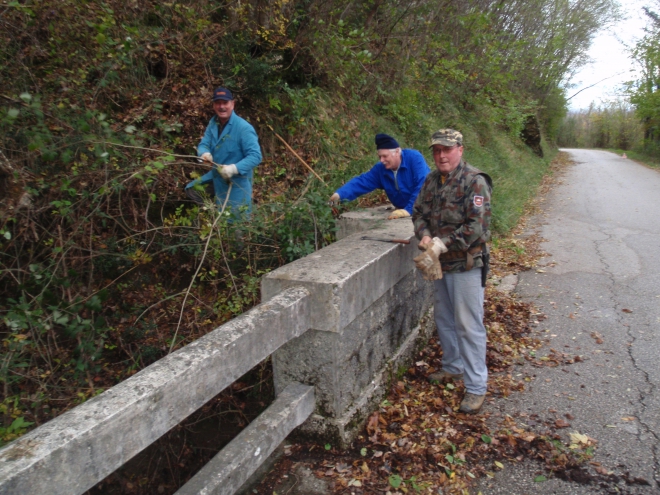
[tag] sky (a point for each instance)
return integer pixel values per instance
(610, 58)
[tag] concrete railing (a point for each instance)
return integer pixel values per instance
(336, 324)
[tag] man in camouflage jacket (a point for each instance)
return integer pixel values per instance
(452, 220)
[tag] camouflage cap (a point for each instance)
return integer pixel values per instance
(447, 137)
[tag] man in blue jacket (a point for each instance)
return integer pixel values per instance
(400, 173)
(231, 145)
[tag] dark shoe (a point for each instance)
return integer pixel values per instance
(471, 403)
(443, 376)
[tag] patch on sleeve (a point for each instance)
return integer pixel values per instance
(478, 201)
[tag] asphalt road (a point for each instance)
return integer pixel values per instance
(601, 225)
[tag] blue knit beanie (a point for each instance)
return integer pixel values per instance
(385, 142)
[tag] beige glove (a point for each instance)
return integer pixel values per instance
(227, 171)
(334, 199)
(207, 157)
(398, 214)
(429, 261)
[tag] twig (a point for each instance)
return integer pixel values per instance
(296, 154)
(148, 149)
(155, 304)
(206, 248)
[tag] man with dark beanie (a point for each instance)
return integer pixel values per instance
(400, 173)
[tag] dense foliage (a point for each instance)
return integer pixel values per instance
(644, 93)
(106, 267)
(612, 125)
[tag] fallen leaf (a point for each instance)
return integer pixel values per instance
(626, 310)
(578, 438)
(540, 479)
(499, 464)
(560, 423)
(628, 418)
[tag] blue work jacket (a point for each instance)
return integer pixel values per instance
(238, 144)
(401, 191)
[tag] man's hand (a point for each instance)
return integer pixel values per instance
(227, 171)
(207, 157)
(429, 261)
(398, 214)
(334, 199)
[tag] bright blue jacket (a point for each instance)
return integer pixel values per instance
(239, 145)
(401, 192)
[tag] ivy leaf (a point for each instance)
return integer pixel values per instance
(486, 438)
(395, 480)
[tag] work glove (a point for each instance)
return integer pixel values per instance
(207, 157)
(398, 214)
(429, 261)
(227, 171)
(334, 199)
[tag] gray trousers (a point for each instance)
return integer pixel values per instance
(459, 313)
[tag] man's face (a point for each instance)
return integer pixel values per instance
(391, 159)
(447, 158)
(223, 109)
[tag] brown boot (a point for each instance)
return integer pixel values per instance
(471, 403)
(443, 376)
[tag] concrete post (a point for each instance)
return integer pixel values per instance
(367, 317)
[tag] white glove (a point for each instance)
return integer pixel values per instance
(429, 261)
(207, 157)
(438, 247)
(398, 214)
(227, 171)
(334, 199)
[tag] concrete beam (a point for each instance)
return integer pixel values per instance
(74, 451)
(234, 464)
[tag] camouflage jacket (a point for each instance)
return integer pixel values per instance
(458, 211)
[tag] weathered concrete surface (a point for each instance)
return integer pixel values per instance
(234, 464)
(348, 276)
(352, 222)
(74, 451)
(368, 307)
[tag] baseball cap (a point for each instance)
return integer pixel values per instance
(447, 137)
(222, 94)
